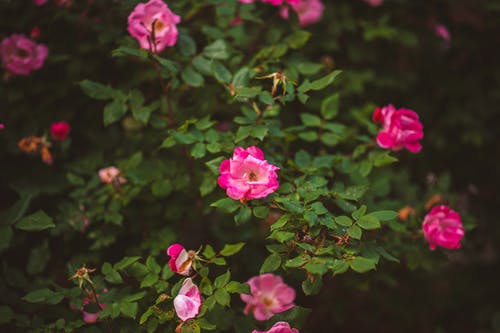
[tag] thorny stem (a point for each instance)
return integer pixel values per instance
(95, 297)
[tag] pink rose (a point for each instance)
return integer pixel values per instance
(279, 327)
(91, 317)
(442, 32)
(180, 260)
(187, 303)
(279, 2)
(374, 3)
(443, 227)
(20, 55)
(401, 129)
(308, 11)
(269, 296)
(247, 175)
(40, 2)
(60, 130)
(111, 175)
(154, 16)
(2, 126)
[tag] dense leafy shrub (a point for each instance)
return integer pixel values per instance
(118, 148)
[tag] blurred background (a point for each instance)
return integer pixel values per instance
(437, 57)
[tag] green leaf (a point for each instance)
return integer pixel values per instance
(114, 111)
(149, 280)
(204, 324)
(208, 252)
(35, 222)
(339, 267)
(129, 309)
(187, 45)
(6, 314)
(355, 232)
(38, 259)
(261, 212)
(314, 287)
(324, 81)
(44, 295)
(330, 107)
(271, 263)
(221, 73)
(298, 261)
(125, 262)
(238, 288)
(343, 221)
(199, 150)
(222, 280)
(110, 274)
(5, 237)
(362, 265)
(231, 249)
(134, 297)
(311, 120)
(216, 50)
(311, 217)
(227, 204)
(222, 297)
(384, 215)
(247, 92)
(280, 222)
(316, 268)
(319, 208)
(219, 261)
(97, 90)
(383, 158)
(244, 214)
(369, 222)
(298, 39)
(192, 77)
(309, 136)
(153, 266)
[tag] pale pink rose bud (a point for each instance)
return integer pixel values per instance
(187, 303)
(308, 11)
(279, 327)
(111, 175)
(180, 260)
(39, 2)
(153, 18)
(280, 2)
(60, 130)
(401, 128)
(374, 3)
(443, 227)
(247, 175)
(20, 55)
(269, 296)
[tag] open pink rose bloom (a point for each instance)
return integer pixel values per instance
(279, 327)
(20, 55)
(153, 18)
(180, 260)
(247, 175)
(111, 175)
(308, 11)
(269, 296)
(401, 128)
(443, 227)
(187, 303)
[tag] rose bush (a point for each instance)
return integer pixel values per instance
(252, 140)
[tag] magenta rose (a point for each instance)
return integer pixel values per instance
(153, 18)
(60, 130)
(279, 327)
(247, 175)
(180, 260)
(280, 2)
(39, 2)
(20, 55)
(308, 11)
(401, 128)
(269, 296)
(187, 303)
(442, 226)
